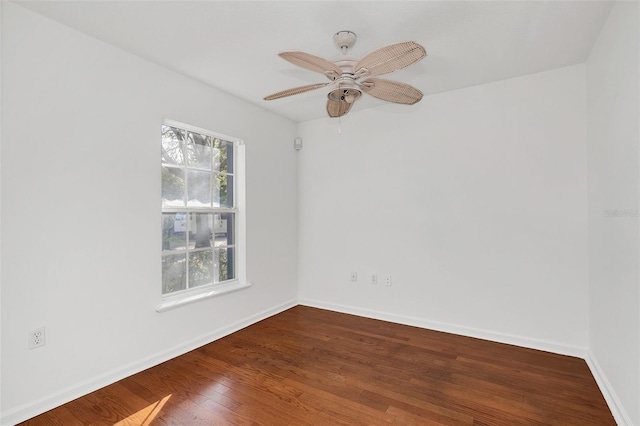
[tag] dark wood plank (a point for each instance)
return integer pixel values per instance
(309, 366)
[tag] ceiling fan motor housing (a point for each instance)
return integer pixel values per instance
(346, 89)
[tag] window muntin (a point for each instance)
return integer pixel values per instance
(199, 215)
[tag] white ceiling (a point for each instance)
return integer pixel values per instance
(233, 45)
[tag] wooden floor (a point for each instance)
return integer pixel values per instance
(308, 366)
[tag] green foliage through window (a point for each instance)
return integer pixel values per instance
(198, 210)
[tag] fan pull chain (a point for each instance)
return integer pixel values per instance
(339, 125)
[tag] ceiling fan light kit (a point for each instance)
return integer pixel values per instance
(350, 77)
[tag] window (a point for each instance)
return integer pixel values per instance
(202, 210)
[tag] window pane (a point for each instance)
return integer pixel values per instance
(223, 191)
(202, 230)
(198, 242)
(223, 229)
(174, 273)
(199, 150)
(225, 264)
(174, 226)
(222, 156)
(172, 186)
(201, 267)
(199, 188)
(172, 145)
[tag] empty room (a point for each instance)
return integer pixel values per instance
(319, 212)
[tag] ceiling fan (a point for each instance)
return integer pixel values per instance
(350, 77)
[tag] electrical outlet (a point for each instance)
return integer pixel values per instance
(387, 280)
(354, 277)
(374, 279)
(36, 338)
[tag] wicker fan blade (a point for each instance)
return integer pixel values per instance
(338, 108)
(313, 63)
(295, 91)
(391, 58)
(391, 91)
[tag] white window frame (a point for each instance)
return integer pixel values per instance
(183, 297)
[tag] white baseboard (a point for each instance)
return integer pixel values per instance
(30, 410)
(617, 410)
(615, 405)
(27, 411)
(452, 328)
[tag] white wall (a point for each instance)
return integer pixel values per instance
(614, 184)
(474, 201)
(80, 212)
(0, 210)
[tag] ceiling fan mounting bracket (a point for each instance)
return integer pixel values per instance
(344, 40)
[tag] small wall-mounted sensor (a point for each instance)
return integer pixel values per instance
(297, 144)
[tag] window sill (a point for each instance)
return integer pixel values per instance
(172, 302)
